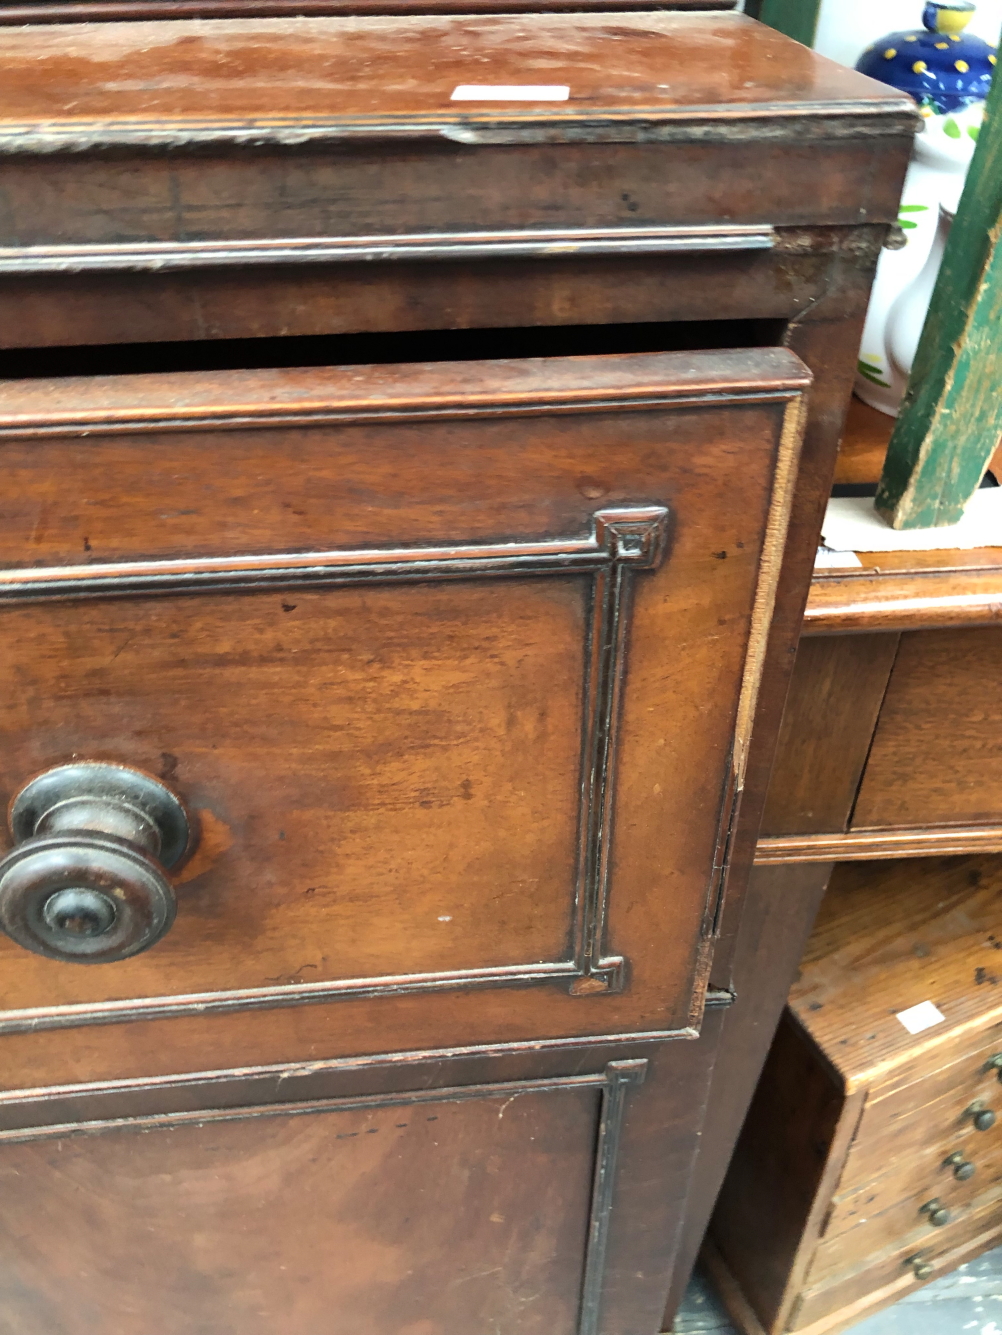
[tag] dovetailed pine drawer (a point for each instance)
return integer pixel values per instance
(452, 674)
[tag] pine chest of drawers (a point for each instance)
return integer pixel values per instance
(871, 1160)
(395, 496)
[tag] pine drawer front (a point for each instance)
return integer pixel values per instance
(909, 1219)
(972, 1233)
(932, 1131)
(429, 657)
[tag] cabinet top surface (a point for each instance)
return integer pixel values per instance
(278, 80)
(890, 936)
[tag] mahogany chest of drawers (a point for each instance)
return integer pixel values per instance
(395, 497)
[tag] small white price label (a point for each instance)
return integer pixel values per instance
(922, 1016)
(511, 92)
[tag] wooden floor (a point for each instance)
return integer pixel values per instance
(969, 1300)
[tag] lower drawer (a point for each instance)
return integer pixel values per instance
(905, 1218)
(918, 1177)
(940, 1127)
(418, 1199)
(983, 1219)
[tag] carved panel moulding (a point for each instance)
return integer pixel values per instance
(621, 543)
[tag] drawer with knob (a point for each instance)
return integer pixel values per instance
(921, 1143)
(872, 1219)
(940, 1174)
(887, 1274)
(374, 686)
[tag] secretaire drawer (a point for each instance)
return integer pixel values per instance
(451, 669)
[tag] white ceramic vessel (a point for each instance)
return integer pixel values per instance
(906, 277)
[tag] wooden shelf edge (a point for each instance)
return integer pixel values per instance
(857, 845)
(889, 600)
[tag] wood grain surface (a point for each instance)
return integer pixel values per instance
(891, 935)
(935, 756)
(835, 698)
(388, 775)
(322, 69)
(296, 1218)
(92, 11)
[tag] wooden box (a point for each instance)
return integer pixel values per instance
(871, 1159)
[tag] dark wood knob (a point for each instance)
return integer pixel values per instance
(982, 1117)
(937, 1212)
(963, 1169)
(86, 879)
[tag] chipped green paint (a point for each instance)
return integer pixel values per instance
(951, 417)
(797, 18)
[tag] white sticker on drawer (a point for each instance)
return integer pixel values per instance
(922, 1016)
(511, 92)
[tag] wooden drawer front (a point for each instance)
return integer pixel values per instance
(937, 1127)
(935, 757)
(473, 1207)
(962, 1066)
(971, 1232)
(451, 678)
(920, 1175)
(904, 1221)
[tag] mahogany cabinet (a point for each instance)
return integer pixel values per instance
(403, 549)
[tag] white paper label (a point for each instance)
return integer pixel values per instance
(511, 92)
(826, 559)
(922, 1016)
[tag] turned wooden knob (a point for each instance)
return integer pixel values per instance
(86, 881)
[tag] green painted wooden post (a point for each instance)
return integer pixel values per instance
(797, 18)
(951, 417)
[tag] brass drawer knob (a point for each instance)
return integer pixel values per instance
(937, 1212)
(921, 1267)
(963, 1169)
(995, 1064)
(86, 879)
(981, 1115)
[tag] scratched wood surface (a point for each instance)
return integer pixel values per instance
(267, 1221)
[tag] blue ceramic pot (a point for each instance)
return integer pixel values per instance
(940, 65)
